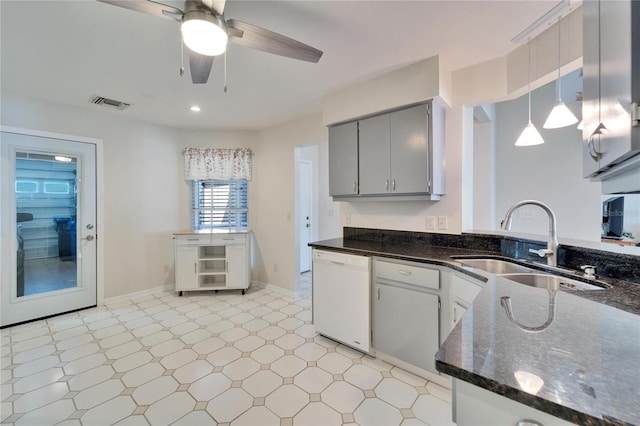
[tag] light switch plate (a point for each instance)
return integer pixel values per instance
(431, 222)
(442, 222)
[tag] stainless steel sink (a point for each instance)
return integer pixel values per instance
(551, 282)
(525, 275)
(494, 266)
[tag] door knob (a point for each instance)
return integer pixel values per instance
(89, 226)
(88, 238)
(307, 226)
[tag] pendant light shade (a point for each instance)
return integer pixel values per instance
(530, 135)
(560, 115)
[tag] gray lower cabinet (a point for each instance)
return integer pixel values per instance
(475, 406)
(406, 313)
(343, 159)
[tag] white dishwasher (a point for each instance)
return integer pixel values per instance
(342, 298)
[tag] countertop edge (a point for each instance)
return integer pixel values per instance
(532, 401)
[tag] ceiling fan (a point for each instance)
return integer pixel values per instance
(206, 32)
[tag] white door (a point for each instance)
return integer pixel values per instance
(306, 191)
(48, 224)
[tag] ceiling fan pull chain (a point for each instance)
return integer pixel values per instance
(225, 71)
(181, 56)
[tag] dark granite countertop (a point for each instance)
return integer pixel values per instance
(588, 357)
(621, 294)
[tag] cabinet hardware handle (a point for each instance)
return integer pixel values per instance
(195, 267)
(354, 187)
(403, 272)
(387, 183)
(378, 293)
(393, 185)
(192, 239)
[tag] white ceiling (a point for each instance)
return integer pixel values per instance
(69, 51)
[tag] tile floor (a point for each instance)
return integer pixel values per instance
(203, 359)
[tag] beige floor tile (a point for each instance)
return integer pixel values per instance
(248, 360)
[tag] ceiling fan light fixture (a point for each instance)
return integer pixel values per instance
(204, 33)
(560, 116)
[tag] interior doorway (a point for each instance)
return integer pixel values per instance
(306, 202)
(48, 198)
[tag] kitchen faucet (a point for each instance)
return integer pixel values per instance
(551, 252)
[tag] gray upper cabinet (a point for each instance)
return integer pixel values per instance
(374, 155)
(611, 84)
(400, 153)
(410, 150)
(343, 159)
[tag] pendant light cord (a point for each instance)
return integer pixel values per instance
(529, 74)
(559, 88)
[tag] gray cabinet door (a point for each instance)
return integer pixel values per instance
(608, 84)
(406, 324)
(343, 159)
(374, 155)
(409, 129)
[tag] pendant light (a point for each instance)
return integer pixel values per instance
(560, 115)
(529, 135)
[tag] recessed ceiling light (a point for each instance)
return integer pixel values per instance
(195, 108)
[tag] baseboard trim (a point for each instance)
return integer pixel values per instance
(128, 296)
(442, 380)
(274, 288)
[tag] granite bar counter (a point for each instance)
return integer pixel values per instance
(587, 355)
(587, 359)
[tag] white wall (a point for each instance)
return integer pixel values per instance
(274, 203)
(551, 172)
(484, 203)
(140, 198)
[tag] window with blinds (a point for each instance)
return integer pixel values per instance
(219, 204)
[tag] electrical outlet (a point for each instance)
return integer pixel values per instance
(431, 222)
(442, 222)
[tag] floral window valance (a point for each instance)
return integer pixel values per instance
(217, 163)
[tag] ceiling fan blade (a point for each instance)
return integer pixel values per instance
(149, 7)
(258, 38)
(200, 66)
(215, 5)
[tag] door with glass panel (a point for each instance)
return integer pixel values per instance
(48, 208)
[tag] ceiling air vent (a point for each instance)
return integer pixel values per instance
(100, 100)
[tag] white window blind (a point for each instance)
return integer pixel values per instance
(219, 204)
